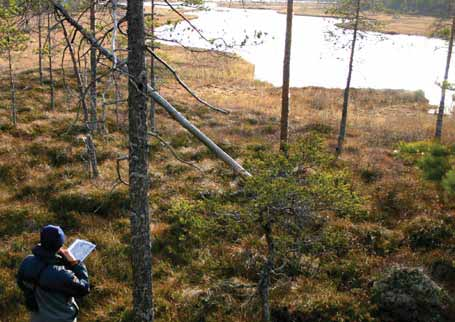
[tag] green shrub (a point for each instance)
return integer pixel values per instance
(337, 239)
(333, 190)
(448, 182)
(420, 147)
(434, 167)
(428, 233)
(370, 174)
(346, 273)
(377, 239)
(186, 233)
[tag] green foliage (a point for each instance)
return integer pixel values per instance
(186, 233)
(333, 191)
(435, 161)
(337, 239)
(194, 2)
(415, 148)
(12, 38)
(448, 182)
(434, 167)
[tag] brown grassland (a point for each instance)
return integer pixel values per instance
(44, 179)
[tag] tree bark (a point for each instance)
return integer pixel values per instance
(285, 94)
(40, 44)
(93, 91)
(51, 76)
(91, 153)
(138, 165)
(12, 90)
(344, 116)
(439, 121)
(152, 68)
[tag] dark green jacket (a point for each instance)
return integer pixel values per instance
(46, 278)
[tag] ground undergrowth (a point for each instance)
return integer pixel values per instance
(345, 222)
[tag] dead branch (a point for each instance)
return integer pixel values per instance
(183, 84)
(172, 111)
(174, 153)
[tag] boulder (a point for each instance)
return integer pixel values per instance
(409, 295)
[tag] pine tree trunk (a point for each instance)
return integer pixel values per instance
(438, 132)
(344, 116)
(91, 153)
(138, 165)
(51, 76)
(12, 90)
(285, 94)
(40, 44)
(93, 71)
(152, 68)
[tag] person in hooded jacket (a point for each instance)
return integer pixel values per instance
(51, 277)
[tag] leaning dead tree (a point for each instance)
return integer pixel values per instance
(153, 93)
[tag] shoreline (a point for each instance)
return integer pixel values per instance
(398, 24)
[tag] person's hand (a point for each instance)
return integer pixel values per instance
(66, 254)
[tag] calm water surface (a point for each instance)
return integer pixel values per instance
(320, 51)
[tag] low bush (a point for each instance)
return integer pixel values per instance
(427, 233)
(106, 204)
(377, 239)
(448, 182)
(55, 156)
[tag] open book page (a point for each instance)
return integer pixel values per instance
(80, 249)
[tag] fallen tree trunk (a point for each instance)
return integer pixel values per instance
(172, 111)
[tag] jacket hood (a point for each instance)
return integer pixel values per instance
(46, 255)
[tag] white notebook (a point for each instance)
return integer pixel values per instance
(80, 249)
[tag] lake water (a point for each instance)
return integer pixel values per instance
(320, 51)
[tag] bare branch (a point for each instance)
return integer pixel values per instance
(184, 85)
(174, 153)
